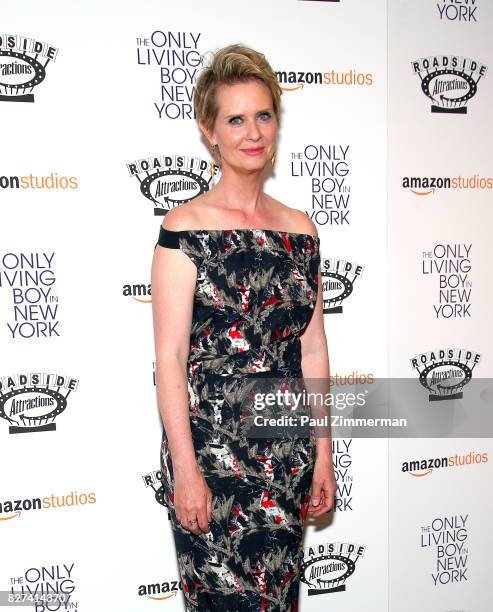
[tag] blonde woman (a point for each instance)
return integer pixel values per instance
(236, 294)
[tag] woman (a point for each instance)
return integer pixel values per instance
(237, 295)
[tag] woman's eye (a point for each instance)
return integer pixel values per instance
(235, 120)
(265, 115)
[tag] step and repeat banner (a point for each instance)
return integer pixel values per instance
(385, 144)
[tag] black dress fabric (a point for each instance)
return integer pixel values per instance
(254, 296)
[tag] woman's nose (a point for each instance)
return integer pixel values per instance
(253, 130)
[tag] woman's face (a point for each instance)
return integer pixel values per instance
(246, 127)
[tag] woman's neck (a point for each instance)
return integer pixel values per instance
(240, 192)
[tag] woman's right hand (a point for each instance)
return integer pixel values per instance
(192, 499)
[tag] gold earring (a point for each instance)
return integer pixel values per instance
(212, 168)
(273, 159)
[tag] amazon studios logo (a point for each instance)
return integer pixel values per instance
(445, 371)
(170, 180)
(326, 170)
(426, 466)
(140, 292)
(338, 278)
(23, 66)
(326, 567)
(31, 402)
(426, 185)
(450, 81)
(177, 60)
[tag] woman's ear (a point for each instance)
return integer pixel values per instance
(206, 133)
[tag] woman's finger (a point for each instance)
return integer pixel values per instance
(315, 494)
(209, 506)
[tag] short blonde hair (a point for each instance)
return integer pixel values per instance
(230, 65)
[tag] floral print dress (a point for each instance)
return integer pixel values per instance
(255, 294)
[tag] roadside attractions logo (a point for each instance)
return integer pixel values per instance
(292, 80)
(426, 466)
(450, 81)
(23, 63)
(154, 480)
(338, 278)
(451, 265)
(326, 567)
(176, 58)
(444, 372)
(30, 402)
(170, 180)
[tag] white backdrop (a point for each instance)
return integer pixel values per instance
(79, 494)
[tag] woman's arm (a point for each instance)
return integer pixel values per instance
(316, 372)
(315, 366)
(173, 278)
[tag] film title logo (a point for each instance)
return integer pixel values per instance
(326, 567)
(170, 180)
(445, 372)
(31, 278)
(177, 57)
(343, 461)
(23, 63)
(451, 264)
(338, 278)
(31, 402)
(450, 81)
(46, 587)
(457, 10)
(326, 168)
(448, 536)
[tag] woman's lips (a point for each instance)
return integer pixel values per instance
(255, 151)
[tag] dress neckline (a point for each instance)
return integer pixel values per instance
(240, 229)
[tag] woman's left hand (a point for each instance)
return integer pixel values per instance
(323, 486)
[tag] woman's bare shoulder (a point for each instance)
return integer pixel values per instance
(183, 217)
(293, 219)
